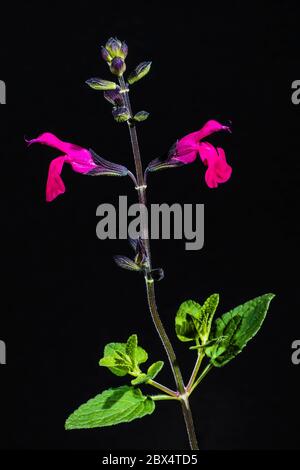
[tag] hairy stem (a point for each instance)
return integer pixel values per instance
(141, 188)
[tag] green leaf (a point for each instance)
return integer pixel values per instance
(238, 326)
(141, 116)
(193, 321)
(101, 85)
(184, 324)
(152, 372)
(113, 406)
(154, 369)
(112, 359)
(207, 313)
(142, 378)
(131, 347)
(117, 359)
(139, 72)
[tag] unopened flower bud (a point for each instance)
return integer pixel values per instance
(139, 72)
(124, 50)
(114, 97)
(117, 66)
(121, 114)
(141, 116)
(105, 55)
(114, 46)
(102, 85)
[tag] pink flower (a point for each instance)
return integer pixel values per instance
(187, 149)
(81, 160)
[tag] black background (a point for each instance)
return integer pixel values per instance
(63, 298)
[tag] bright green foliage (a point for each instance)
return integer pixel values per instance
(140, 379)
(184, 324)
(193, 321)
(152, 372)
(235, 328)
(124, 358)
(113, 406)
(154, 369)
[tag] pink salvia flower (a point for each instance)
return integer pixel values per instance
(82, 161)
(187, 149)
(79, 158)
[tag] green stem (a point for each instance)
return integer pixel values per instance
(195, 371)
(201, 376)
(189, 423)
(163, 335)
(141, 188)
(163, 397)
(161, 387)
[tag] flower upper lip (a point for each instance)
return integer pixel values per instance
(189, 147)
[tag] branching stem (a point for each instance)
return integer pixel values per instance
(201, 376)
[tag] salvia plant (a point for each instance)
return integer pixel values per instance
(215, 342)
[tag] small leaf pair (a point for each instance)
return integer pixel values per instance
(122, 404)
(125, 358)
(152, 372)
(141, 261)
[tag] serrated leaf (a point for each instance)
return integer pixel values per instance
(141, 116)
(193, 321)
(238, 326)
(101, 85)
(184, 324)
(131, 347)
(154, 369)
(142, 378)
(208, 310)
(116, 366)
(117, 353)
(113, 406)
(139, 72)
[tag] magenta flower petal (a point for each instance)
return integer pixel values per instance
(52, 141)
(81, 160)
(55, 185)
(218, 170)
(195, 137)
(187, 147)
(186, 154)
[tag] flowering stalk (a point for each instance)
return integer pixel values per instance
(150, 283)
(218, 340)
